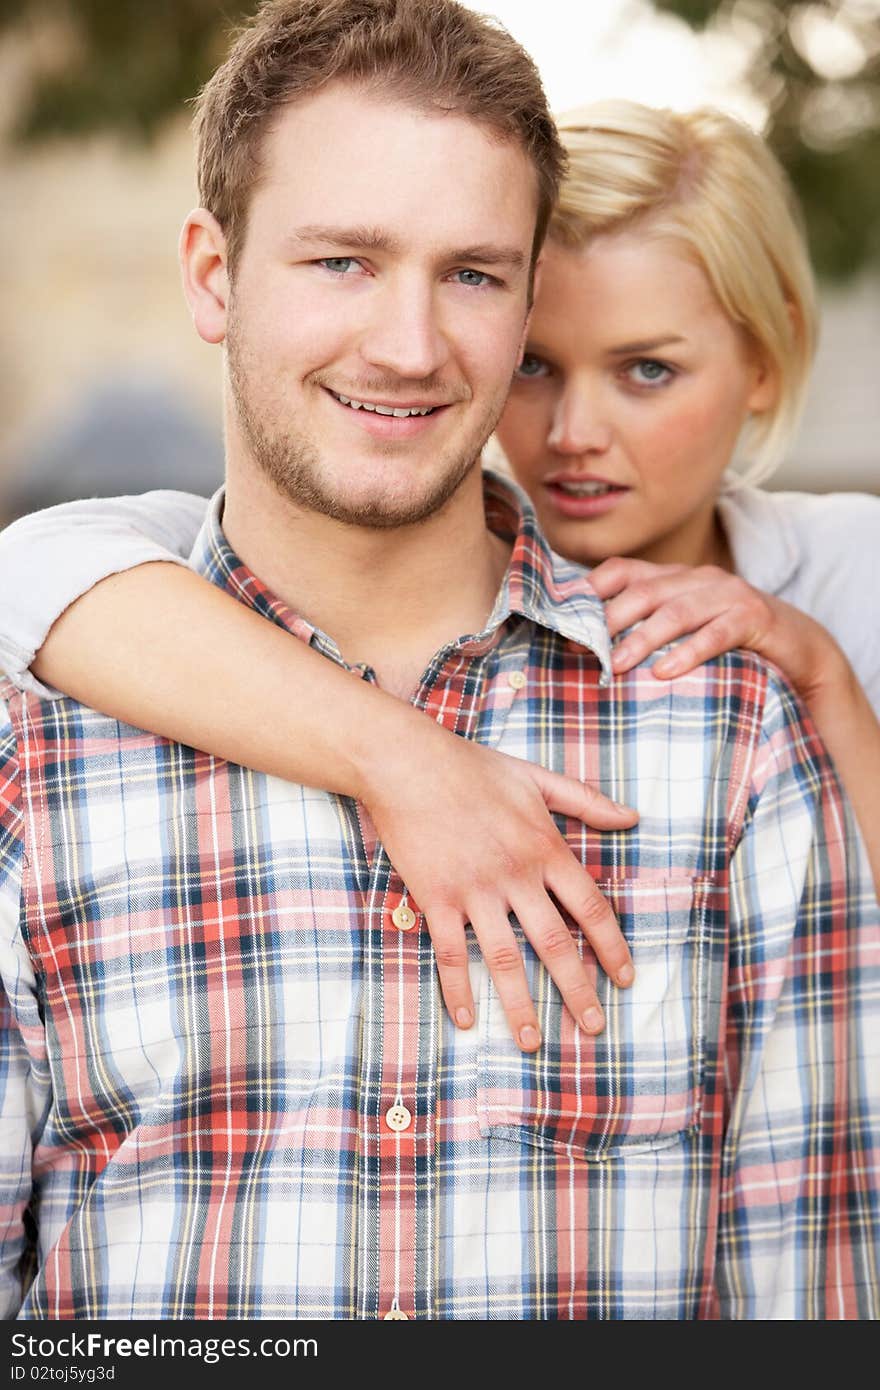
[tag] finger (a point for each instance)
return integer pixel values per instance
(503, 958)
(450, 951)
(576, 892)
(720, 635)
(554, 945)
(686, 614)
(569, 797)
(615, 574)
(643, 597)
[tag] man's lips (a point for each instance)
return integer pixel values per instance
(389, 419)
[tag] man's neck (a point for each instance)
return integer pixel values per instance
(389, 598)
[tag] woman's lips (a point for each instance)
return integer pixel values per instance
(581, 504)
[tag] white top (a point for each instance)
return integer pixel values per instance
(819, 553)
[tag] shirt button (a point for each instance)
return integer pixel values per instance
(403, 917)
(398, 1118)
(516, 679)
(395, 1315)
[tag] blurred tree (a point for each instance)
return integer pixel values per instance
(816, 68)
(815, 64)
(124, 65)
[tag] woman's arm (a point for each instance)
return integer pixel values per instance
(468, 829)
(721, 611)
(50, 558)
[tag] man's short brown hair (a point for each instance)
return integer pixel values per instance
(434, 54)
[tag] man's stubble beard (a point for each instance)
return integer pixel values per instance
(292, 462)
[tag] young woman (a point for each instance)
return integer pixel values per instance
(674, 326)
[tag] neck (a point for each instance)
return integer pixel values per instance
(701, 540)
(388, 598)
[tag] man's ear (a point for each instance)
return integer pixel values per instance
(205, 279)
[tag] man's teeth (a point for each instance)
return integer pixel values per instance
(384, 409)
(587, 489)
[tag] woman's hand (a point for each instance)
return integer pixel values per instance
(720, 611)
(469, 831)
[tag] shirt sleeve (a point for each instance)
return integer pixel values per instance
(799, 1220)
(49, 559)
(24, 1086)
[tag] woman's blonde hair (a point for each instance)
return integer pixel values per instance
(713, 184)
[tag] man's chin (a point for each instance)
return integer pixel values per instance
(377, 511)
(376, 504)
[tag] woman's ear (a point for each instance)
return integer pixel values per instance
(765, 388)
(764, 377)
(202, 251)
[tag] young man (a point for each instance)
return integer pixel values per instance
(229, 1087)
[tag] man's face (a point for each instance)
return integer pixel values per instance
(385, 268)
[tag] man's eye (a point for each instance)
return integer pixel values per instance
(474, 278)
(531, 367)
(649, 372)
(339, 265)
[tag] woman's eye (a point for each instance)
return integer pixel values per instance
(649, 372)
(339, 265)
(531, 367)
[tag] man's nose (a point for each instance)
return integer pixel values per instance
(580, 424)
(404, 335)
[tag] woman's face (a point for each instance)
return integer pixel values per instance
(627, 407)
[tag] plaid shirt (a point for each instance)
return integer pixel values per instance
(229, 1086)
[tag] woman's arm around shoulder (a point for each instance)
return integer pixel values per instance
(50, 558)
(468, 829)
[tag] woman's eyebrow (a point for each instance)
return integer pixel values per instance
(648, 344)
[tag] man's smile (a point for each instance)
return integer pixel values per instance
(399, 412)
(387, 419)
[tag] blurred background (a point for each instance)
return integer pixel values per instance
(104, 386)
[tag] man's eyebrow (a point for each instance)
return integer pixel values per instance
(489, 254)
(374, 239)
(647, 344)
(358, 238)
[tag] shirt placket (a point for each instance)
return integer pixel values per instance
(397, 1104)
(404, 1022)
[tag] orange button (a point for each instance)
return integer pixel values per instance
(403, 917)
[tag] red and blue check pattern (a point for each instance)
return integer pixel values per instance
(209, 1016)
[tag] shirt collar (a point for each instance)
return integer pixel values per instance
(538, 585)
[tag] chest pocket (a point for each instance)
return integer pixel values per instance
(640, 1082)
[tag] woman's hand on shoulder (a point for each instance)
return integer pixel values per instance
(714, 611)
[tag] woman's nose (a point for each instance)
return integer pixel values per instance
(579, 425)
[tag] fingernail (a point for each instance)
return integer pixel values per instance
(619, 656)
(625, 975)
(464, 1018)
(666, 666)
(529, 1038)
(593, 1020)
(622, 806)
